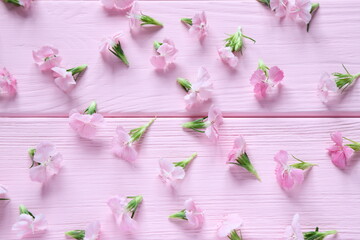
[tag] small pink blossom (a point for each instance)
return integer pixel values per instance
(85, 125)
(239, 148)
(92, 231)
(194, 214)
(64, 79)
(287, 176)
(294, 232)
(27, 225)
(340, 154)
(48, 162)
(118, 206)
(8, 83)
(228, 57)
(121, 5)
(199, 25)
(300, 11)
(169, 173)
(327, 87)
(279, 6)
(201, 90)
(232, 222)
(109, 42)
(134, 17)
(47, 58)
(123, 147)
(166, 55)
(213, 123)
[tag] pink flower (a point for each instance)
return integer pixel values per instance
(229, 225)
(27, 225)
(134, 14)
(239, 149)
(47, 58)
(7, 83)
(63, 79)
(327, 86)
(110, 42)
(118, 206)
(294, 232)
(301, 11)
(340, 154)
(166, 55)
(121, 5)
(169, 173)
(123, 147)
(25, 3)
(279, 6)
(194, 214)
(213, 122)
(201, 90)
(199, 25)
(287, 176)
(92, 231)
(48, 162)
(228, 57)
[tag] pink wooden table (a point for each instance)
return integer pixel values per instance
(296, 121)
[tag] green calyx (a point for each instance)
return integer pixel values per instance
(244, 162)
(184, 83)
(187, 21)
(263, 67)
(76, 234)
(179, 215)
(24, 210)
(32, 152)
(196, 125)
(76, 71)
(354, 145)
(343, 80)
(137, 133)
(157, 45)
(316, 235)
(265, 2)
(147, 20)
(15, 2)
(133, 205)
(186, 162)
(314, 8)
(236, 41)
(118, 51)
(91, 109)
(302, 164)
(234, 235)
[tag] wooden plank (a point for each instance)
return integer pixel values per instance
(329, 198)
(140, 91)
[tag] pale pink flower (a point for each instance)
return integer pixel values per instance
(166, 55)
(228, 57)
(194, 214)
(327, 87)
(339, 153)
(123, 147)
(134, 14)
(118, 206)
(109, 42)
(27, 225)
(201, 90)
(25, 3)
(92, 231)
(169, 173)
(287, 176)
(239, 148)
(47, 58)
(64, 79)
(262, 83)
(213, 122)
(85, 125)
(279, 6)
(121, 5)
(301, 11)
(232, 222)
(48, 162)
(8, 83)
(199, 25)
(294, 232)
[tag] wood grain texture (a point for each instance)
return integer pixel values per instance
(140, 91)
(329, 198)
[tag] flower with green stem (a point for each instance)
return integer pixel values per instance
(66, 79)
(91, 232)
(137, 18)
(236, 41)
(191, 213)
(28, 223)
(20, 3)
(230, 227)
(114, 46)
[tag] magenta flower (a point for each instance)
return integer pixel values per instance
(228, 57)
(340, 154)
(121, 5)
(294, 231)
(47, 162)
(264, 78)
(166, 54)
(3, 193)
(47, 58)
(279, 6)
(192, 213)
(199, 91)
(198, 25)
(230, 227)
(8, 84)
(113, 45)
(65, 79)
(29, 224)
(138, 19)
(91, 232)
(300, 11)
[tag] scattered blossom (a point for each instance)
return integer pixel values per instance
(198, 25)
(113, 45)
(29, 224)
(191, 213)
(166, 54)
(341, 153)
(8, 84)
(47, 57)
(230, 227)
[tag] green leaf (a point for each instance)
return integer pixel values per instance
(185, 84)
(76, 234)
(179, 215)
(186, 162)
(137, 133)
(91, 109)
(147, 20)
(244, 162)
(316, 235)
(118, 51)
(187, 21)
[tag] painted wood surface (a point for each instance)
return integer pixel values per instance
(141, 91)
(329, 198)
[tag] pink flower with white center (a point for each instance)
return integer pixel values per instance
(47, 57)
(64, 79)
(121, 5)
(166, 55)
(294, 232)
(228, 57)
(29, 224)
(194, 214)
(340, 154)
(327, 87)
(47, 162)
(300, 11)
(279, 6)
(123, 147)
(230, 227)
(169, 173)
(8, 83)
(213, 122)
(92, 231)
(199, 26)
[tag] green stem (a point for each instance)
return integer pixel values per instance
(187, 21)
(91, 109)
(186, 162)
(180, 215)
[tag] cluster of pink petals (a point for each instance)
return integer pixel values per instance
(262, 83)
(299, 10)
(169, 173)
(199, 25)
(85, 125)
(8, 83)
(122, 145)
(228, 57)
(326, 88)
(166, 55)
(92, 231)
(294, 231)
(230, 223)
(287, 176)
(194, 214)
(121, 5)
(46, 58)
(49, 162)
(201, 89)
(63, 79)
(27, 225)
(239, 148)
(213, 123)
(122, 216)
(279, 6)
(110, 42)
(339, 153)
